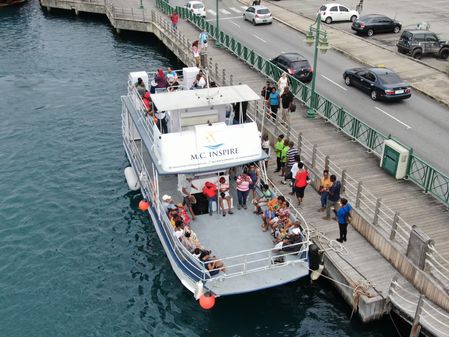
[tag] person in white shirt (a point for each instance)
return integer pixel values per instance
(294, 170)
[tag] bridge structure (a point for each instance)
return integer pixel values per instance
(396, 257)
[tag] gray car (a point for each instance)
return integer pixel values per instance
(258, 15)
(417, 43)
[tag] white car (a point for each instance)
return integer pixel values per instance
(336, 12)
(197, 8)
(258, 14)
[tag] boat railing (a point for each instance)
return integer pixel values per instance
(243, 264)
(187, 262)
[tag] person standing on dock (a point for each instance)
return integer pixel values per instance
(301, 181)
(333, 197)
(203, 37)
(196, 53)
(343, 217)
(174, 21)
(325, 184)
(278, 150)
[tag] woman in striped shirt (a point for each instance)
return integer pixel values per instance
(243, 183)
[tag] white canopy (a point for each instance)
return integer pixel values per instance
(198, 98)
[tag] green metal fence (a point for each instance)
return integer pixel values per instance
(419, 171)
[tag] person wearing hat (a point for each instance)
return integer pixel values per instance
(167, 203)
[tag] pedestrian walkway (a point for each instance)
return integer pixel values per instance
(423, 78)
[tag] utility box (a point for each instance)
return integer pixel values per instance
(394, 159)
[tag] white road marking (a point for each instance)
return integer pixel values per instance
(224, 11)
(244, 7)
(235, 9)
(226, 18)
(397, 120)
(259, 38)
(282, 52)
(235, 24)
(335, 83)
(211, 12)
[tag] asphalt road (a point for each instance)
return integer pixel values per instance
(418, 122)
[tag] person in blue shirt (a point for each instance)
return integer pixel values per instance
(343, 218)
(274, 103)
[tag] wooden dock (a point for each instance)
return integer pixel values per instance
(383, 241)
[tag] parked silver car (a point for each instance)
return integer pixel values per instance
(258, 15)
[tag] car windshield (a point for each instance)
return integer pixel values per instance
(300, 64)
(263, 11)
(198, 6)
(323, 8)
(389, 78)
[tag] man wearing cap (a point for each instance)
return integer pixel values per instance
(186, 189)
(167, 203)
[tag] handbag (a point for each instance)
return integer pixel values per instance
(292, 107)
(192, 199)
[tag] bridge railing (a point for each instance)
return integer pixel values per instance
(421, 173)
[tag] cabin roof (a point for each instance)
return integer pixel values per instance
(198, 98)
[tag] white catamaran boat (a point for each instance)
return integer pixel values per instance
(201, 142)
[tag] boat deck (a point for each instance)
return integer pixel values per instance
(231, 239)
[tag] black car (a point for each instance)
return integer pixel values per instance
(380, 83)
(296, 65)
(417, 43)
(374, 24)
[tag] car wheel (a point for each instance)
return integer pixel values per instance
(254, 22)
(417, 54)
(328, 20)
(374, 95)
(370, 32)
(444, 53)
(396, 29)
(348, 80)
(353, 18)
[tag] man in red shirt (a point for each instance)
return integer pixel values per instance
(210, 191)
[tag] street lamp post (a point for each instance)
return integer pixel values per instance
(217, 40)
(319, 39)
(141, 5)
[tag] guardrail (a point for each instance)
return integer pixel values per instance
(420, 172)
(420, 310)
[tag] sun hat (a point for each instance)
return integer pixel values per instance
(166, 197)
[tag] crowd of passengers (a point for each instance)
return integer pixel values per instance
(165, 81)
(274, 211)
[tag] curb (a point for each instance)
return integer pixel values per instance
(355, 58)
